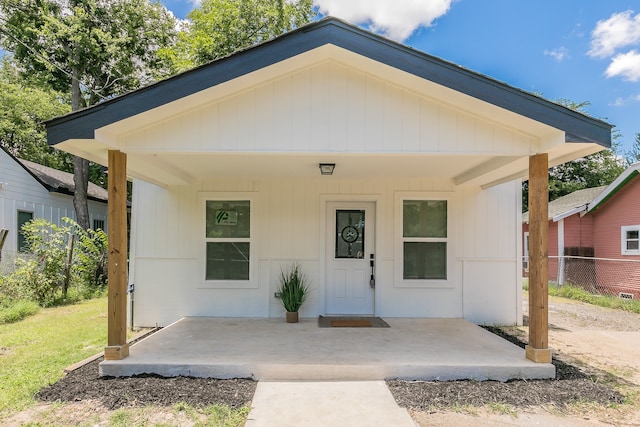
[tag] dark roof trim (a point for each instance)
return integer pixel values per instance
(46, 186)
(577, 126)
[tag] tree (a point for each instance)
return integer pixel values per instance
(598, 169)
(23, 108)
(92, 49)
(633, 155)
(220, 27)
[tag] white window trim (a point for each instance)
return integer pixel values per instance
(623, 239)
(400, 281)
(252, 283)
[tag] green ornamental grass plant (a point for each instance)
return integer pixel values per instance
(293, 289)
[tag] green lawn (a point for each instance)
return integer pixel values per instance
(35, 351)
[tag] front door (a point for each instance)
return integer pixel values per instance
(350, 245)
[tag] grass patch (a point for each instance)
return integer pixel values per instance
(502, 409)
(37, 349)
(221, 415)
(146, 416)
(18, 311)
(579, 294)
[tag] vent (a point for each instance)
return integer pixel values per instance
(625, 295)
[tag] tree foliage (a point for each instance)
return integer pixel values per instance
(595, 170)
(90, 49)
(23, 108)
(40, 276)
(109, 46)
(633, 155)
(220, 27)
(25, 103)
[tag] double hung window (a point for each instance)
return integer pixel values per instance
(228, 240)
(630, 240)
(424, 239)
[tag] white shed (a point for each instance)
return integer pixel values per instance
(228, 158)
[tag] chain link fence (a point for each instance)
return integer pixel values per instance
(602, 276)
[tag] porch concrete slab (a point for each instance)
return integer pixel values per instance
(270, 349)
(319, 404)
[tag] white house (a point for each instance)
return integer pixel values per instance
(29, 190)
(230, 187)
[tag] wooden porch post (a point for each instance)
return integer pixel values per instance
(538, 348)
(117, 347)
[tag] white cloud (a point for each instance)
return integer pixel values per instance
(558, 54)
(621, 102)
(396, 19)
(625, 65)
(620, 30)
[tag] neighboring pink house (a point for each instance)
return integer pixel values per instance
(602, 223)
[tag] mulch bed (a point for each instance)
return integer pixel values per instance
(142, 390)
(570, 386)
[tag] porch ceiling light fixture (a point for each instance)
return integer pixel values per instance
(327, 168)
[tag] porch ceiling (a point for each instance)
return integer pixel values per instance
(169, 168)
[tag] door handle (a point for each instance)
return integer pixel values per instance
(372, 264)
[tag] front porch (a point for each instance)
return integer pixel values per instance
(270, 349)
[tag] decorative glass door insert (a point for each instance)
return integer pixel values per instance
(350, 237)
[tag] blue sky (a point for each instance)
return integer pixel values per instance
(583, 51)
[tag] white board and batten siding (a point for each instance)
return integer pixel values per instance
(289, 225)
(326, 108)
(334, 109)
(21, 192)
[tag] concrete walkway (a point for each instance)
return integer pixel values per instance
(319, 404)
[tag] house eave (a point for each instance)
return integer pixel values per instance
(626, 176)
(567, 214)
(577, 127)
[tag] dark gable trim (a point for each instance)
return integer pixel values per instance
(577, 127)
(49, 188)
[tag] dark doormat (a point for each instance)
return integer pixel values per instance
(351, 322)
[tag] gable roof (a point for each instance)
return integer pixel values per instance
(576, 126)
(626, 176)
(57, 181)
(570, 204)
